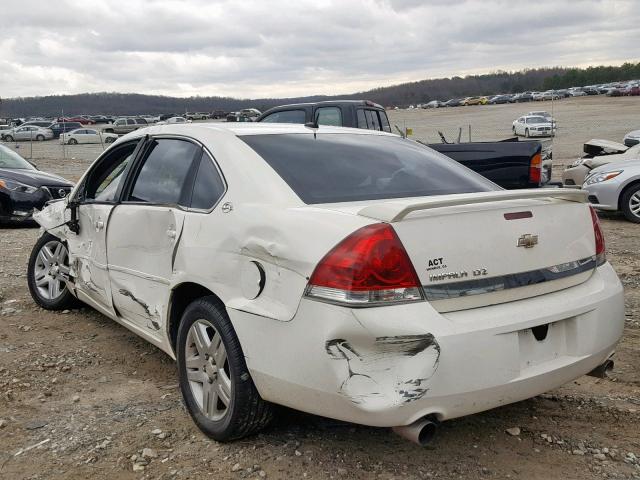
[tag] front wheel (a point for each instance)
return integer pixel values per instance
(46, 274)
(73, 141)
(40, 138)
(109, 140)
(8, 138)
(631, 204)
(216, 385)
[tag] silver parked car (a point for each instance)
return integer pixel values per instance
(27, 132)
(616, 187)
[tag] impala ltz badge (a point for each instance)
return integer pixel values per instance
(528, 241)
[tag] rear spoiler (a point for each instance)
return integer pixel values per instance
(395, 211)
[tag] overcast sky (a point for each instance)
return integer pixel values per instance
(274, 48)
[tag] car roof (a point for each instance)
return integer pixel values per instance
(253, 128)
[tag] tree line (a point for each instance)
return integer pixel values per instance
(397, 95)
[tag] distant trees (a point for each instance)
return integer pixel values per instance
(592, 75)
(401, 95)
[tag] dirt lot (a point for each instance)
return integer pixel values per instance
(80, 395)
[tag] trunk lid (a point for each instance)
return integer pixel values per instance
(475, 250)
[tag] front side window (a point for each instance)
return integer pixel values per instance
(121, 122)
(328, 168)
(130, 121)
(286, 116)
(163, 174)
(104, 180)
(329, 116)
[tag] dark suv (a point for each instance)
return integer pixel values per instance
(339, 113)
(63, 127)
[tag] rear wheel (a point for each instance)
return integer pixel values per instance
(48, 268)
(109, 140)
(215, 382)
(73, 141)
(631, 204)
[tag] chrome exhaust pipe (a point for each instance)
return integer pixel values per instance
(601, 371)
(422, 431)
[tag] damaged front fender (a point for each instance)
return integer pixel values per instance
(53, 217)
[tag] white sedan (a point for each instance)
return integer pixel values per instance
(533, 126)
(87, 135)
(173, 120)
(330, 270)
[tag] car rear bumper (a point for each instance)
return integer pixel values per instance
(390, 366)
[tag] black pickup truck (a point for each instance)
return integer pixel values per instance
(512, 164)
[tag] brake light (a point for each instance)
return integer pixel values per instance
(601, 255)
(535, 169)
(369, 267)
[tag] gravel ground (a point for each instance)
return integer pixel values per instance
(80, 396)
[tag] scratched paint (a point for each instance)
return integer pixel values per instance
(155, 325)
(389, 370)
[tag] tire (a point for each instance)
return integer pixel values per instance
(526, 133)
(44, 273)
(109, 140)
(73, 141)
(40, 138)
(8, 138)
(246, 412)
(630, 203)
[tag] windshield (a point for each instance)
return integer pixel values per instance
(328, 168)
(10, 159)
(537, 120)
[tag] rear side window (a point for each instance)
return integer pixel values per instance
(329, 116)
(384, 121)
(162, 178)
(331, 168)
(131, 121)
(286, 116)
(373, 120)
(208, 186)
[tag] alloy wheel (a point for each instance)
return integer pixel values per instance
(634, 203)
(51, 268)
(208, 371)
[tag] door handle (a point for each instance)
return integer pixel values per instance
(171, 234)
(99, 224)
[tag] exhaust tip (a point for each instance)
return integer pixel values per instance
(422, 432)
(602, 371)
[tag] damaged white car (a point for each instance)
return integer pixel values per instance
(347, 273)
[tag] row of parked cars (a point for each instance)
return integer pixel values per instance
(631, 88)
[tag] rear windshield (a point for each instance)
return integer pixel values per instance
(329, 168)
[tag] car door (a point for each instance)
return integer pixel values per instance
(91, 136)
(23, 133)
(96, 199)
(145, 229)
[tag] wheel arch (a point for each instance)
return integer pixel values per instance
(180, 298)
(633, 183)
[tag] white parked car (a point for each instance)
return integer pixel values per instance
(173, 120)
(616, 187)
(630, 139)
(533, 126)
(330, 270)
(87, 135)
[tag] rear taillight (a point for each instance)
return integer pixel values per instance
(535, 169)
(601, 255)
(369, 267)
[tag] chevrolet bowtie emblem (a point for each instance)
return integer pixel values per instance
(528, 241)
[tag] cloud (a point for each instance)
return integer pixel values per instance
(284, 48)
